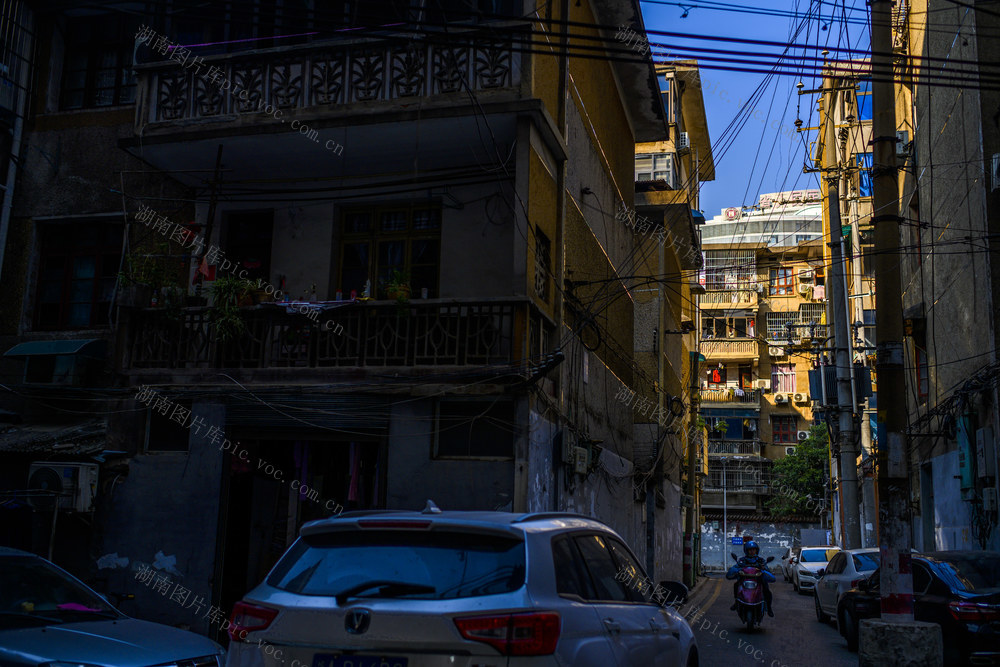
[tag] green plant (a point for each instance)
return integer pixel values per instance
(722, 426)
(152, 267)
(227, 292)
(797, 479)
(398, 287)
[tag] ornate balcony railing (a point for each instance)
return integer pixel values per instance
(434, 332)
(730, 395)
(729, 299)
(320, 76)
(734, 447)
(721, 347)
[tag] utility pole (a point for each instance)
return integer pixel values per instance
(896, 584)
(846, 444)
(690, 560)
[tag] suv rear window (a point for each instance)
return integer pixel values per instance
(455, 565)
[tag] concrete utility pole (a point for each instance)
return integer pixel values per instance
(894, 509)
(846, 444)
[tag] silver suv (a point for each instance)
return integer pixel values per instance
(462, 589)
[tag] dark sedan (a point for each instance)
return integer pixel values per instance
(959, 590)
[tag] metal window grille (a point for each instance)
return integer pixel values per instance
(730, 269)
(776, 322)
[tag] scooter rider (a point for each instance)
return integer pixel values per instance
(751, 559)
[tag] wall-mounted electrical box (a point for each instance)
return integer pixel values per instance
(986, 460)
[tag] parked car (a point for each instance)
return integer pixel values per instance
(845, 571)
(808, 563)
(409, 589)
(788, 560)
(959, 590)
(48, 617)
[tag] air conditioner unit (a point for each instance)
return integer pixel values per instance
(805, 288)
(683, 142)
(807, 274)
(762, 384)
(581, 460)
(801, 398)
(803, 435)
(76, 484)
(789, 450)
(776, 351)
(781, 398)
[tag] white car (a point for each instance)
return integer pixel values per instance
(416, 589)
(787, 561)
(807, 565)
(844, 571)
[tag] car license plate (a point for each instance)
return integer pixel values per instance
(332, 660)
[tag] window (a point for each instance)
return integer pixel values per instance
(784, 429)
(782, 282)
(864, 164)
(813, 314)
(78, 266)
(571, 573)
(746, 376)
(602, 568)
(783, 378)
(655, 167)
(543, 265)
(865, 562)
(869, 330)
(728, 327)
(475, 429)
(636, 584)
(837, 565)
(864, 97)
(923, 372)
(776, 326)
(97, 70)
(248, 244)
(921, 579)
(378, 241)
(730, 269)
(717, 377)
(164, 434)
(802, 238)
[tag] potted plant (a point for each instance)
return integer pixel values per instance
(145, 274)
(228, 292)
(398, 287)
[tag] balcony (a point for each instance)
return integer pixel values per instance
(320, 77)
(729, 396)
(748, 447)
(730, 349)
(729, 299)
(429, 334)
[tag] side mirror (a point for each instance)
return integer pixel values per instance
(770, 558)
(821, 572)
(676, 593)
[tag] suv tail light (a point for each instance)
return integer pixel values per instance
(855, 582)
(535, 633)
(247, 618)
(970, 611)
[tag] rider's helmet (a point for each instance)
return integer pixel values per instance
(751, 546)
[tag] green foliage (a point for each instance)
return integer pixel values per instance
(153, 267)
(799, 476)
(227, 292)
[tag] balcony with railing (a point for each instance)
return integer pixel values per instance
(732, 396)
(420, 336)
(729, 299)
(730, 348)
(747, 447)
(325, 77)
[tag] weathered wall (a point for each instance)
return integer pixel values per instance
(773, 539)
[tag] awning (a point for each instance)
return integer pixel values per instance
(77, 439)
(90, 347)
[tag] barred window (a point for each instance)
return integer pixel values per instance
(776, 329)
(730, 269)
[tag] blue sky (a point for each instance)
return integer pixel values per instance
(766, 154)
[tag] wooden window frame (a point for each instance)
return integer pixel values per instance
(784, 429)
(782, 278)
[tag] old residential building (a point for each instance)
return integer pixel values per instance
(763, 306)
(459, 326)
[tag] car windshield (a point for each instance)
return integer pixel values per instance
(426, 565)
(980, 574)
(817, 555)
(33, 592)
(865, 562)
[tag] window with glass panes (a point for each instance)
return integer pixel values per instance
(97, 69)
(782, 282)
(379, 241)
(77, 267)
(655, 167)
(730, 269)
(783, 377)
(784, 428)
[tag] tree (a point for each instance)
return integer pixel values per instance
(797, 480)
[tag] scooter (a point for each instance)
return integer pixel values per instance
(750, 594)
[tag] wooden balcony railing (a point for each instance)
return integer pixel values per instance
(734, 447)
(434, 332)
(730, 395)
(732, 348)
(729, 299)
(321, 76)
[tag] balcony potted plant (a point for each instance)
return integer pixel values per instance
(228, 292)
(148, 273)
(398, 287)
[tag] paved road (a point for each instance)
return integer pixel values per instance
(793, 638)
